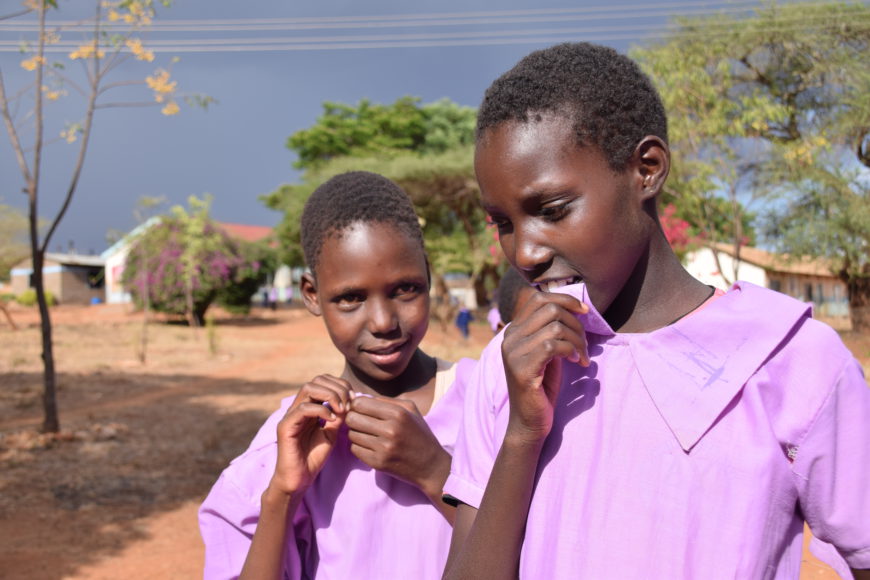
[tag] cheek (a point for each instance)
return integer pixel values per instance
(415, 315)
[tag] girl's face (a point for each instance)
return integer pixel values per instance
(372, 289)
(562, 213)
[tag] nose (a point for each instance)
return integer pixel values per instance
(531, 254)
(382, 317)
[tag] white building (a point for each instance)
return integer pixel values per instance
(810, 280)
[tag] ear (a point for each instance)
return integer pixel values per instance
(652, 162)
(308, 288)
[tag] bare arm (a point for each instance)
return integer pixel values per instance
(501, 520)
(487, 542)
(306, 436)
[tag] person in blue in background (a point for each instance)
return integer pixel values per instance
(462, 321)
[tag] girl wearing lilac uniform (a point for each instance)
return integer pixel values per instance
(629, 423)
(345, 479)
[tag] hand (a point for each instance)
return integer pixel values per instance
(545, 331)
(391, 435)
(308, 432)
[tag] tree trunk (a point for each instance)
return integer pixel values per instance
(51, 422)
(859, 301)
(8, 316)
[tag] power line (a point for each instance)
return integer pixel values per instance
(412, 40)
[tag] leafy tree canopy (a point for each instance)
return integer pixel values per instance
(371, 129)
(776, 108)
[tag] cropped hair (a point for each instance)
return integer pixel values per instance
(350, 198)
(610, 101)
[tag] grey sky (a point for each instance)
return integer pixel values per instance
(235, 150)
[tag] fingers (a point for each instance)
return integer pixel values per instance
(325, 390)
(548, 325)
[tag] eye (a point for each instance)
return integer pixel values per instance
(554, 212)
(408, 290)
(502, 224)
(349, 300)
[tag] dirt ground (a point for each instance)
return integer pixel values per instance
(115, 496)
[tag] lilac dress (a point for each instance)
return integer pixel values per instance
(694, 451)
(354, 522)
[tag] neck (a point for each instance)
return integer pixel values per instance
(419, 372)
(658, 292)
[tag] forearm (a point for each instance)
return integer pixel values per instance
(492, 547)
(266, 554)
(433, 486)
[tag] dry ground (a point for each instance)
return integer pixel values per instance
(141, 444)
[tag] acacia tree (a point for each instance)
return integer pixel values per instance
(115, 36)
(777, 106)
(426, 149)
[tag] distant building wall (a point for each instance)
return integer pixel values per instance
(702, 265)
(68, 283)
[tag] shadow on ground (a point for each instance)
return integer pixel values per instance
(132, 446)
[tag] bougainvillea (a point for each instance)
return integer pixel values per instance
(676, 230)
(224, 268)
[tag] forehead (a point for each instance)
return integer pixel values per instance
(534, 157)
(363, 247)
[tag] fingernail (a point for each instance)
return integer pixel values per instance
(362, 395)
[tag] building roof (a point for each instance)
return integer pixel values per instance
(63, 259)
(246, 232)
(779, 263)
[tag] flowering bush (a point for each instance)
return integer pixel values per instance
(156, 265)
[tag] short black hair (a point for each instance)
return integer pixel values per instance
(611, 102)
(509, 287)
(350, 198)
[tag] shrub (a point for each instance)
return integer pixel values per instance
(28, 298)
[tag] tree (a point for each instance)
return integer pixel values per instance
(115, 37)
(426, 149)
(186, 262)
(144, 211)
(776, 107)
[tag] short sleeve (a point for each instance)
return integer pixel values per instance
(479, 439)
(228, 517)
(832, 469)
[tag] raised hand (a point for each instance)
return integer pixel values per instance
(308, 432)
(544, 332)
(391, 435)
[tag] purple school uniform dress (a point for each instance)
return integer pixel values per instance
(354, 522)
(695, 451)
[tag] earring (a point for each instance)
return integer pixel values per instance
(646, 181)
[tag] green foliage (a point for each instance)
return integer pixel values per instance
(774, 108)
(426, 149)
(13, 239)
(28, 298)
(258, 260)
(369, 130)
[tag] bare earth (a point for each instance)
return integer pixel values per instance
(115, 496)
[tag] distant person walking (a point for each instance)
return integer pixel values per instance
(463, 319)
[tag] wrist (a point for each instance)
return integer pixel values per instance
(433, 485)
(279, 497)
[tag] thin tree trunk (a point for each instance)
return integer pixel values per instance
(8, 316)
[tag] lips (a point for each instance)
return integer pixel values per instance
(550, 285)
(386, 355)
